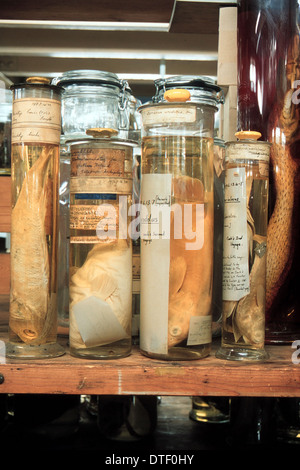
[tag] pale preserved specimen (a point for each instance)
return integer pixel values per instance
(33, 245)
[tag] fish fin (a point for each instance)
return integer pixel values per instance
(260, 296)
(177, 273)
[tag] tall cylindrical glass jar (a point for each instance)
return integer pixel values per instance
(100, 247)
(177, 218)
(63, 238)
(5, 131)
(219, 175)
(36, 128)
(90, 99)
(245, 248)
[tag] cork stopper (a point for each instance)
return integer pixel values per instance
(101, 132)
(249, 135)
(177, 94)
(38, 80)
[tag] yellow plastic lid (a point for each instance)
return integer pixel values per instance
(38, 80)
(101, 132)
(177, 94)
(251, 135)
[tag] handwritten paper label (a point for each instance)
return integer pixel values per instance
(155, 262)
(235, 251)
(165, 114)
(200, 330)
(94, 162)
(88, 217)
(36, 120)
(105, 184)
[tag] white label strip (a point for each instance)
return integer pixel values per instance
(166, 114)
(235, 245)
(155, 262)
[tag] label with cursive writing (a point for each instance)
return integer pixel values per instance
(166, 114)
(235, 244)
(86, 162)
(36, 120)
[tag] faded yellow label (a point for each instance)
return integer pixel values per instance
(102, 221)
(95, 162)
(107, 184)
(36, 120)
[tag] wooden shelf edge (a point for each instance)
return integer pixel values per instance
(136, 374)
(139, 375)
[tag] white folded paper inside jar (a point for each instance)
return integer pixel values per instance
(97, 322)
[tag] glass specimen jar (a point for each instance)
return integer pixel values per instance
(63, 238)
(177, 218)
(100, 270)
(92, 99)
(5, 131)
(219, 176)
(268, 101)
(245, 248)
(36, 128)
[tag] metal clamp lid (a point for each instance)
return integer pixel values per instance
(202, 89)
(87, 77)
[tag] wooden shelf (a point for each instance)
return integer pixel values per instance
(139, 375)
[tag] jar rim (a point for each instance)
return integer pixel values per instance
(86, 76)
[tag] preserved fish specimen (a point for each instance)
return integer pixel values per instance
(190, 265)
(190, 285)
(33, 298)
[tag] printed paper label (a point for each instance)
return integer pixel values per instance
(235, 251)
(87, 217)
(105, 222)
(36, 120)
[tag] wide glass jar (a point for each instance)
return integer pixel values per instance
(92, 99)
(177, 219)
(100, 270)
(36, 128)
